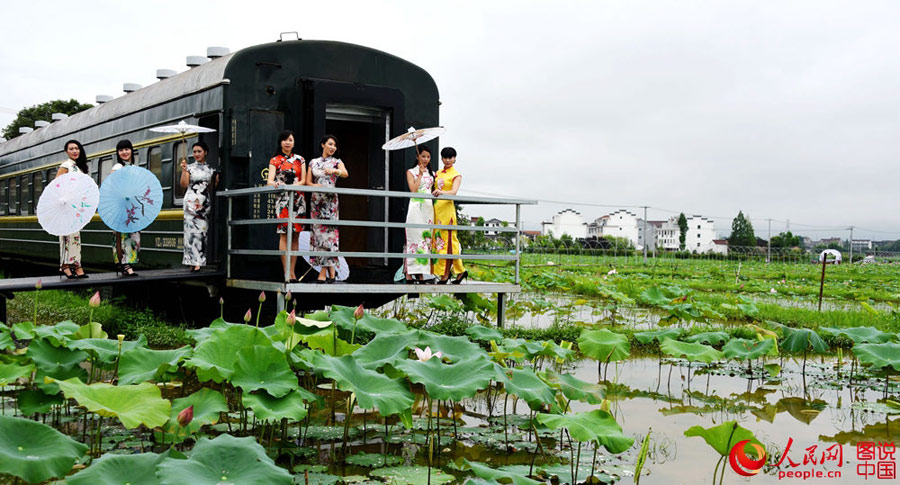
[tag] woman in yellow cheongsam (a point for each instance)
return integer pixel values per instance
(447, 182)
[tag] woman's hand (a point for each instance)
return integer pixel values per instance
(183, 164)
(437, 192)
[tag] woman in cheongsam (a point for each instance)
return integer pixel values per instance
(323, 172)
(127, 245)
(287, 168)
(418, 241)
(199, 180)
(70, 245)
(447, 182)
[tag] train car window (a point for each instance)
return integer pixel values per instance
(4, 197)
(51, 174)
(13, 196)
(94, 169)
(154, 162)
(37, 187)
(136, 159)
(106, 164)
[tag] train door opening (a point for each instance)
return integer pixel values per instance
(361, 130)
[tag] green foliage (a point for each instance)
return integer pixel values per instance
(142, 364)
(597, 426)
(35, 452)
(682, 231)
(744, 349)
(26, 117)
(742, 232)
(133, 405)
(412, 475)
(269, 408)
(113, 469)
(453, 382)
(528, 387)
(225, 459)
(604, 345)
(724, 436)
(786, 240)
(690, 351)
(878, 356)
(208, 406)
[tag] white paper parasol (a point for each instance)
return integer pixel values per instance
(413, 137)
(68, 203)
(182, 128)
(341, 272)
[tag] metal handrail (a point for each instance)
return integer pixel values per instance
(386, 194)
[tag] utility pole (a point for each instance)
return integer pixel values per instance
(769, 243)
(851, 244)
(645, 234)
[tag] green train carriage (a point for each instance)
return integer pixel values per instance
(361, 95)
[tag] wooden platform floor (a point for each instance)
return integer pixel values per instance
(59, 282)
(381, 288)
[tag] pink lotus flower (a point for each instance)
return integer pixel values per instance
(612, 272)
(95, 300)
(186, 416)
(359, 312)
(288, 296)
(248, 316)
(291, 318)
(773, 290)
(742, 286)
(38, 285)
(426, 355)
(262, 296)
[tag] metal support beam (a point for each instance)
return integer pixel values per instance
(501, 310)
(2, 308)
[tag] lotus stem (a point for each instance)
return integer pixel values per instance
(577, 463)
(258, 312)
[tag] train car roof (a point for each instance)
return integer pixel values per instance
(193, 80)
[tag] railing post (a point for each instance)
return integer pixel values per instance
(518, 239)
(228, 240)
(290, 234)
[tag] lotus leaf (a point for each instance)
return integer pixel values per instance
(6, 341)
(268, 408)
(373, 390)
(474, 302)
(373, 459)
(878, 356)
(223, 460)
(263, 367)
(802, 339)
(801, 409)
(555, 351)
(658, 335)
(498, 476)
(111, 469)
(23, 330)
(529, 348)
(708, 338)
(9, 373)
(53, 360)
(215, 358)
(744, 349)
(453, 348)
(597, 426)
(325, 341)
(386, 349)
(201, 334)
(604, 345)
(208, 405)
(58, 334)
(445, 303)
(412, 475)
(655, 297)
(90, 330)
(36, 452)
(453, 382)
(133, 405)
(343, 317)
(861, 335)
(690, 351)
(573, 387)
(724, 436)
(106, 350)
(528, 387)
(36, 401)
(483, 334)
(143, 364)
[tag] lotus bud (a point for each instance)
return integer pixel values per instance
(38, 285)
(291, 318)
(359, 312)
(288, 296)
(221, 301)
(121, 338)
(186, 416)
(95, 300)
(248, 316)
(262, 296)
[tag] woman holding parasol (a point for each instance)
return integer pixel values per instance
(127, 245)
(70, 245)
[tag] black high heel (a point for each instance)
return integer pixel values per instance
(67, 272)
(462, 277)
(127, 270)
(442, 282)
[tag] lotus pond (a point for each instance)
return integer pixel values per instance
(646, 380)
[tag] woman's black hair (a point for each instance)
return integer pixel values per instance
(81, 161)
(424, 148)
(201, 144)
(284, 136)
(325, 139)
(124, 144)
(448, 152)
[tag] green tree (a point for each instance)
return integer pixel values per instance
(27, 116)
(741, 232)
(786, 240)
(682, 231)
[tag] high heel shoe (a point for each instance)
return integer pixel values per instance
(442, 282)
(127, 270)
(462, 277)
(329, 280)
(67, 272)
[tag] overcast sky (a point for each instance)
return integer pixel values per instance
(785, 110)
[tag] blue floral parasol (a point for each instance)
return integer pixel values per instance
(130, 199)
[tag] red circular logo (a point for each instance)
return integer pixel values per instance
(742, 464)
